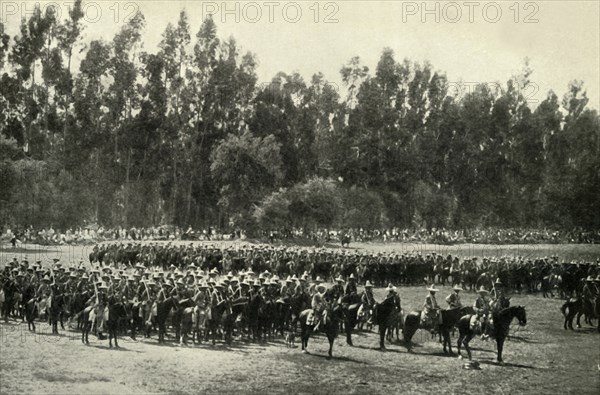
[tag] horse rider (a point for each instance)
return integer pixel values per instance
(589, 293)
(350, 289)
(453, 299)
(287, 290)
(337, 290)
(367, 302)
(319, 307)
(430, 314)
(313, 288)
(500, 301)
(481, 306)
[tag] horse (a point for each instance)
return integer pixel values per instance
(449, 319)
(254, 315)
(31, 313)
(163, 309)
(500, 327)
(350, 304)
(214, 319)
(384, 315)
(549, 282)
(186, 319)
(116, 313)
(55, 312)
(330, 326)
(576, 308)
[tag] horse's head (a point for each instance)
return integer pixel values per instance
(521, 315)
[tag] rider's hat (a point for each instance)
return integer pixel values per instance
(457, 288)
(288, 279)
(318, 279)
(432, 289)
(589, 278)
(498, 282)
(482, 290)
(368, 284)
(339, 278)
(390, 287)
(351, 276)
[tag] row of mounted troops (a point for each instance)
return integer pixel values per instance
(137, 298)
(517, 273)
(206, 304)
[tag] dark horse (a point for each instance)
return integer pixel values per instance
(330, 326)
(56, 311)
(116, 314)
(163, 309)
(350, 304)
(449, 318)
(31, 313)
(385, 315)
(576, 308)
(501, 326)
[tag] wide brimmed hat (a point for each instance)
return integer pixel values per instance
(390, 287)
(498, 281)
(368, 284)
(339, 278)
(589, 278)
(482, 290)
(457, 288)
(318, 279)
(432, 289)
(351, 276)
(288, 280)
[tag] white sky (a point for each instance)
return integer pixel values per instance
(564, 43)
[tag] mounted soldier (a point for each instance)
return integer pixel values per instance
(453, 299)
(481, 306)
(319, 308)
(430, 313)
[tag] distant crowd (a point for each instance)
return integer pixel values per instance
(92, 234)
(445, 236)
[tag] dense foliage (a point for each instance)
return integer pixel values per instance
(188, 136)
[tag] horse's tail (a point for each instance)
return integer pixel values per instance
(564, 307)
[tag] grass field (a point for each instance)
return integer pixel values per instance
(540, 358)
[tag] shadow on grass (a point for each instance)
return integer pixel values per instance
(520, 339)
(506, 364)
(119, 349)
(335, 358)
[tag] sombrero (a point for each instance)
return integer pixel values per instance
(368, 284)
(432, 289)
(482, 290)
(457, 288)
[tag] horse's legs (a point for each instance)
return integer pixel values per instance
(382, 330)
(578, 319)
(331, 338)
(461, 337)
(466, 343)
(500, 344)
(349, 335)
(115, 335)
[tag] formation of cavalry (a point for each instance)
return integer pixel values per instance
(267, 292)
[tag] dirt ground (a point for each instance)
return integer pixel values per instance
(540, 358)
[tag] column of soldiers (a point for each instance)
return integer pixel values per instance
(145, 284)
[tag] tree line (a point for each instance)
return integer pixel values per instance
(187, 135)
